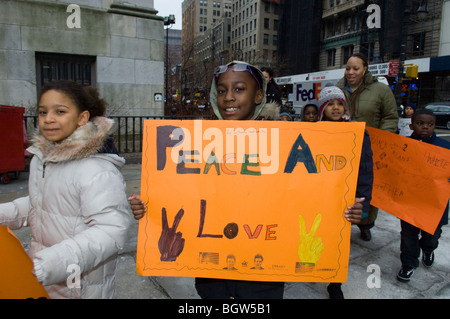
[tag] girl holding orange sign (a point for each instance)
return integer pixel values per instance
(333, 107)
(238, 93)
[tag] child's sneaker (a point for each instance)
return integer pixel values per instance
(427, 259)
(405, 274)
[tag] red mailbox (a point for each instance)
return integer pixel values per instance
(12, 141)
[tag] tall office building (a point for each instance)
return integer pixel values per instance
(254, 31)
(200, 18)
(216, 32)
(299, 36)
(408, 29)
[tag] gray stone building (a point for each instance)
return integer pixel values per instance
(116, 47)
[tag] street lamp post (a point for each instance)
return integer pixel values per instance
(168, 22)
(404, 41)
(422, 12)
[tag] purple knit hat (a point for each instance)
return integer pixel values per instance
(330, 93)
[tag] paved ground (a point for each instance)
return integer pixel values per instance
(382, 251)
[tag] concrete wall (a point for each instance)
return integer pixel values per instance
(128, 44)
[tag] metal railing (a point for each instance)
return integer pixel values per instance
(128, 133)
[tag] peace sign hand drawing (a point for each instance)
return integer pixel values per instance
(171, 243)
(310, 248)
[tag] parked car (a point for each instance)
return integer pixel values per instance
(442, 112)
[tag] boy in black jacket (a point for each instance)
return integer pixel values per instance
(423, 123)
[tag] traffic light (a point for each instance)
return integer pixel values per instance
(412, 71)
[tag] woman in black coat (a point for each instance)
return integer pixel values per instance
(273, 93)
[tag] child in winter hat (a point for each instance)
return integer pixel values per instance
(327, 97)
(333, 107)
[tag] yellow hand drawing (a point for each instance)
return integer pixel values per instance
(310, 248)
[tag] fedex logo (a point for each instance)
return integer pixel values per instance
(308, 91)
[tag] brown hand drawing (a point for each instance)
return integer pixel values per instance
(171, 243)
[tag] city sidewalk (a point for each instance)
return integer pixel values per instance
(382, 253)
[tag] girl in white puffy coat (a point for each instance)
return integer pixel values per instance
(77, 207)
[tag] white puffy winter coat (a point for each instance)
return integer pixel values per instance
(77, 210)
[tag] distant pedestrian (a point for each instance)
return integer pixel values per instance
(285, 115)
(287, 112)
(404, 121)
(273, 93)
(423, 125)
(77, 208)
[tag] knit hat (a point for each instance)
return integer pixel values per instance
(412, 105)
(331, 93)
(286, 114)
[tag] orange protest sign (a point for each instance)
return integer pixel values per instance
(248, 200)
(410, 178)
(16, 279)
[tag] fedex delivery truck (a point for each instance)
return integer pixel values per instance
(306, 87)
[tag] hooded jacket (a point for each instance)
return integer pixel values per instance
(263, 111)
(375, 104)
(77, 210)
(225, 289)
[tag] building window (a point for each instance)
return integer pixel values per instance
(356, 25)
(53, 67)
(371, 51)
(331, 57)
(266, 38)
(419, 44)
(347, 51)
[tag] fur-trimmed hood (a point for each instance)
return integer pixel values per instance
(86, 141)
(270, 111)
